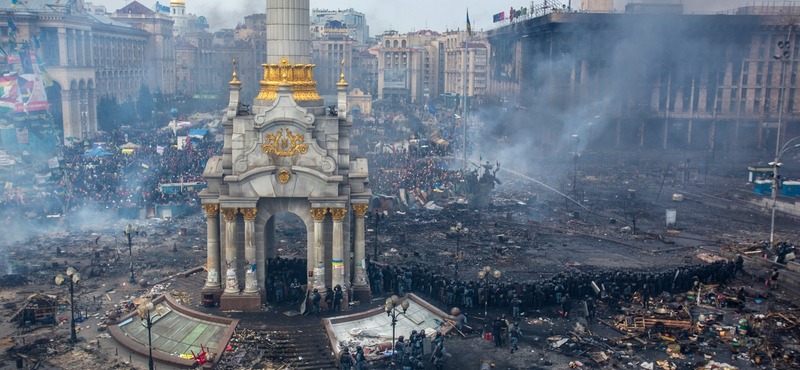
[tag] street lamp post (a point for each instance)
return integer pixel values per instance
(73, 277)
(487, 273)
(144, 313)
(130, 232)
(775, 185)
(391, 311)
(458, 231)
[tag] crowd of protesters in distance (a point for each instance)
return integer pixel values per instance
(115, 178)
(132, 178)
(401, 156)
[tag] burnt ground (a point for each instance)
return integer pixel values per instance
(541, 236)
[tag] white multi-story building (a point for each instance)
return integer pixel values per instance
(355, 22)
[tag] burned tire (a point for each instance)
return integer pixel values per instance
(659, 327)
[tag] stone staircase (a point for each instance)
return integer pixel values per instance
(305, 346)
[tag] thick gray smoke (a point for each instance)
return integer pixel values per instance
(619, 65)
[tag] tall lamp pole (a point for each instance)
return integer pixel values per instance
(486, 273)
(144, 313)
(775, 185)
(391, 311)
(783, 56)
(73, 277)
(130, 232)
(458, 231)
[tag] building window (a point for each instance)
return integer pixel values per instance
(767, 101)
(746, 73)
(743, 101)
(770, 67)
(760, 74)
(791, 101)
(757, 102)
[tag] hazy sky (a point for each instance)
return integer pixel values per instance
(403, 16)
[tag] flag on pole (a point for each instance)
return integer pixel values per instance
(469, 25)
(499, 17)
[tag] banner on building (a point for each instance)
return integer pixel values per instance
(499, 17)
(394, 78)
(31, 96)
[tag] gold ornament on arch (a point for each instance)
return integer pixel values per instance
(284, 176)
(284, 143)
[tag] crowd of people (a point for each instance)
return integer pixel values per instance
(109, 177)
(560, 290)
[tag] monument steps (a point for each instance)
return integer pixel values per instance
(306, 346)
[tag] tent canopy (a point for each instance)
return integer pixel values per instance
(97, 152)
(130, 145)
(198, 134)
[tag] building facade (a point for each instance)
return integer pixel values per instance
(89, 55)
(658, 80)
(355, 23)
(328, 53)
(160, 50)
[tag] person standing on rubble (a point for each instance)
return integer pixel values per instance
(738, 265)
(773, 278)
(516, 303)
(497, 332)
(590, 310)
(360, 358)
(346, 360)
(329, 298)
(337, 298)
(315, 298)
(296, 290)
(514, 332)
(438, 356)
(278, 290)
(566, 306)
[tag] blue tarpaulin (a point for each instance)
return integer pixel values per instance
(197, 134)
(97, 152)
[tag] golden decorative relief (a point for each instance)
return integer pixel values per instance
(318, 213)
(300, 77)
(212, 210)
(283, 176)
(338, 213)
(360, 209)
(230, 213)
(284, 146)
(249, 214)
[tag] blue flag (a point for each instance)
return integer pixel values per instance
(469, 25)
(432, 109)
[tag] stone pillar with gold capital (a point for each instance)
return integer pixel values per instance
(337, 255)
(231, 283)
(250, 281)
(319, 247)
(360, 278)
(212, 244)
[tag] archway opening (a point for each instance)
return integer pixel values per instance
(286, 244)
